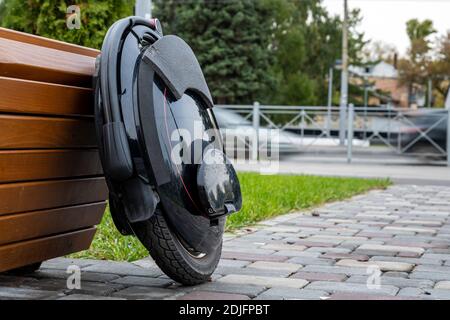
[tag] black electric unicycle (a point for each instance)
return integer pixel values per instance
(170, 183)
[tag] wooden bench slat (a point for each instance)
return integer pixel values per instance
(28, 165)
(30, 225)
(30, 196)
(28, 132)
(27, 252)
(26, 96)
(32, 62)
(50, 172)
(48, 43)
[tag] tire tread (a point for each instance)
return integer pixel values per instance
(160, 243)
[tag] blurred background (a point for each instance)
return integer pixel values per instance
(324, 72)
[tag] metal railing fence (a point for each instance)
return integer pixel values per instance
(405, 131)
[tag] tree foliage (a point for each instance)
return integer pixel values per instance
(274, 51)
(440, 68)
(48, 18)
(377, 51)
(419, 30)
(307, 41)
(415, 68)
(230, 39)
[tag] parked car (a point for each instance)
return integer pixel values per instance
(432, 123)
(237, 133)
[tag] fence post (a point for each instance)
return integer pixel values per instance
(350, 132)
(143, 8)
(330, 101)
(448, 137)
(255, 142)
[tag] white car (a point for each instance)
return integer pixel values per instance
(238, 134)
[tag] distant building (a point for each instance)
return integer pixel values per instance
(383, 78)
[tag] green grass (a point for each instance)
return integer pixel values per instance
(109, 244)
(271, 195)
(264, 196)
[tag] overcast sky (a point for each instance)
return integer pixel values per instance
(386, 19)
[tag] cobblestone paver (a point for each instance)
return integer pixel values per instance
(389, 244)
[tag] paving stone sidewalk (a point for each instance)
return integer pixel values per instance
(390, 244)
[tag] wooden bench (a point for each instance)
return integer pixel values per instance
(52, 192)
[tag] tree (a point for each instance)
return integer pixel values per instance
(440, 69)
(48, 18)
(378, 51)
(292, 44)
(273, 51)
(231, 40)
(415, 69)
(419, 31)
(306, 43)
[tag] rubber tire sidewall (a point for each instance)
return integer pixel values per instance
(171, 256)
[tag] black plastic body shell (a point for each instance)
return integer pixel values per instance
(133, 81)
